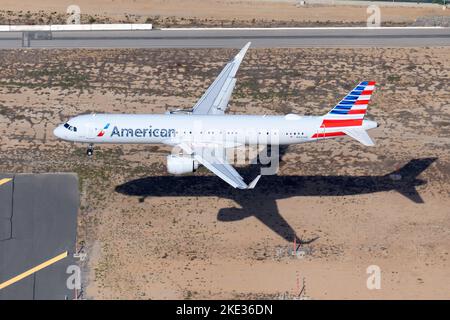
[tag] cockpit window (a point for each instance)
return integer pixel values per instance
(69, 127)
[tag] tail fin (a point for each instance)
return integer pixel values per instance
(354, 104)
(406, 179)
(348, 115)
(351, 110)
(412, 169)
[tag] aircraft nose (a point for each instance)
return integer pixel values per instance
(58, 132)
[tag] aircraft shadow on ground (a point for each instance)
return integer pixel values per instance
(261, 201)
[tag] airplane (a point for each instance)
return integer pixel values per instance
(204, 133)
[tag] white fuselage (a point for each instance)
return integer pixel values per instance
(172, 129)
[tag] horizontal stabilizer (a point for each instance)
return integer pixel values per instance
(360, 135)
(412, 194)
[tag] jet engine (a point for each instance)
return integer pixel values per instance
(180, 165)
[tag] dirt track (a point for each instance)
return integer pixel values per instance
(170, 13)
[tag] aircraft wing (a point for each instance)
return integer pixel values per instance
(215, 99)
(214, 159)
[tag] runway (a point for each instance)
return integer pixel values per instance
(235, 38)
(38, 220)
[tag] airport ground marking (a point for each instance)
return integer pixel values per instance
(5, 180)
(33, 270)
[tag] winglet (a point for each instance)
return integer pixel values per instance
(244, 49)
(254, 182)
(238, 59)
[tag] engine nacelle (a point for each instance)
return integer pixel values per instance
(180, 165)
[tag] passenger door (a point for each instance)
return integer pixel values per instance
(90, 131)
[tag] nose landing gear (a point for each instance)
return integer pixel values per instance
(90, 150)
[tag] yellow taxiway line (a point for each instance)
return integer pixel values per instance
(5, 180)
(33, 270)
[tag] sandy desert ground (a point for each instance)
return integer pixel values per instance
(170, 13)
(150, 235)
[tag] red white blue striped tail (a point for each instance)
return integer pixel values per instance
(350, 111)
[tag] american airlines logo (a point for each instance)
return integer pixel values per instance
(142, 132)
(102, 132)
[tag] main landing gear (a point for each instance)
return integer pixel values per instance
(90, 150)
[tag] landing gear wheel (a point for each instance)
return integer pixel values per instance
(90, 150)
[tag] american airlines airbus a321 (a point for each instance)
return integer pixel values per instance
(205, 129)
